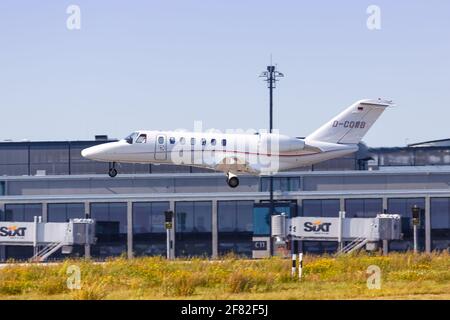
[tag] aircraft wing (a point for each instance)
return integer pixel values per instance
(235, 164)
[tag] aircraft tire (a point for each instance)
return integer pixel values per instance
(112, 172)
(233, 182)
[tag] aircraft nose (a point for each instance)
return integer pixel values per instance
(102, 152)
(89, 153)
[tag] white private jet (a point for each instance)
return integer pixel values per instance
(259, 154)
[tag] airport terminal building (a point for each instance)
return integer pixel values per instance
(52, 180)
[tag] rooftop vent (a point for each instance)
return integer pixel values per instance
(101, 137)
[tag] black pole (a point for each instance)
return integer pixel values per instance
(271, 77)
(271, 70)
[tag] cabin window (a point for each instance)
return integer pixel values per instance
(213, 142)
(224, 142)
(143, 138)
(172, 140)
(192, 141)
(129, 139)
(160, 140)
(203, 142)
(182, 140)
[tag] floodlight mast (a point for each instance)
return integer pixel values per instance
(271, 76)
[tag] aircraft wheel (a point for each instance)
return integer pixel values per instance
(233, 182)
(112, 172)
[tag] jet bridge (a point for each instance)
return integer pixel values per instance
(355, 233)
(48, 237)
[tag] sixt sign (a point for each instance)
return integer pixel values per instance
(314, 227)
(317, 226)
(12, 231)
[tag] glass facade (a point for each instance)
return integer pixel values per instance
(110, 229)
(343, 163)
(63, 212)
(402, 206)
(80, 165)
(193, 228)
(22, 212)
(64, 158)
(280, 184)
(237, 219)
(395, 157)
(262, 219)
(320, 208)
(426, 155)
(149, 233)
(14, 159)
(432, 156)
(51, 159)
(235, 226)
(440, 223)
(363, 208)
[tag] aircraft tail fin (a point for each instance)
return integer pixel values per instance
(350, 126)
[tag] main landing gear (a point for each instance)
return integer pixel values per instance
(112, 172)
(232, 180)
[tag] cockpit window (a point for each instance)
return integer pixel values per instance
(142, 139)
(129, 139)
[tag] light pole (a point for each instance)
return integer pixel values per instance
(271, 76)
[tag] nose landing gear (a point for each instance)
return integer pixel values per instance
(232, 180)
(112, 172)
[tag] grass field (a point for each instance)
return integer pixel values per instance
(403, 276)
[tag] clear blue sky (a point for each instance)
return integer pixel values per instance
(164, 64)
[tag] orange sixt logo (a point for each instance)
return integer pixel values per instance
(317, 226)
(12, 231)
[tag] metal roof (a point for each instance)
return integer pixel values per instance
(432, 143)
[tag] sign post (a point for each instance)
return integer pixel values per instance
(168, 224)
(294, 250)
(341, 217)
(300, 265)
(416, 222)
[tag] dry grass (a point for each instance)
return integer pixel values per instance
(404, 276)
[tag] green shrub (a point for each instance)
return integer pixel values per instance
(179, 283)
(51, 286)
(96, 291)
(249, 280)
(11, 288)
